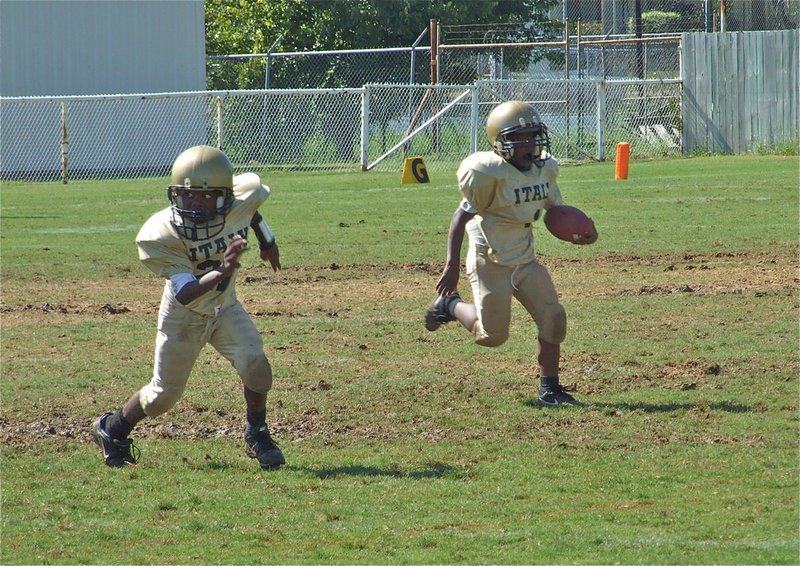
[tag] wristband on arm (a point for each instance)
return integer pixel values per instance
(179, 281)
(264, 235)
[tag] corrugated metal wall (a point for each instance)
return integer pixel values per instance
(51, 48)
(739, 90)
(80, 47)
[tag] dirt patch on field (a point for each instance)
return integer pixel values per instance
(718, 273)
(334, 291)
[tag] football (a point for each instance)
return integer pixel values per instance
(570, 224)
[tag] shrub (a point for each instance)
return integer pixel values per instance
(656, 21)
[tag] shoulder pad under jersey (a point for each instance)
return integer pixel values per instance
(160, 248)
(247, 184)
(486, 162)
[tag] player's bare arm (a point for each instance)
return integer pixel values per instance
(448, 282)
(212, 279)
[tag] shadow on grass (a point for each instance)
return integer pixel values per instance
(433, 470)
(648, 407)
(208, 464)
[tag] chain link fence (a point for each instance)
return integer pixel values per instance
(586, 119)
(98, 136)
(579, 57)
(617, 17)
(374, 127)
(290, 129)
(351, 68)
(595, 87)
(596, 39)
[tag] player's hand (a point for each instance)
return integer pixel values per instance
(448, 282)
(236, 247)
(273, 256)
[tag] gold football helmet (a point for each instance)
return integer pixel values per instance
(200, 169)
(517, 117)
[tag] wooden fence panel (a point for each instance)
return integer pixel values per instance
(739, 90)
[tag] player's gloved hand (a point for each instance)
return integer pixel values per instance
(272, 255)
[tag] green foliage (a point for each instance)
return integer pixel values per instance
(252, 26)
(404, 446)
(786, 147)
(656, 21)
(588, 27)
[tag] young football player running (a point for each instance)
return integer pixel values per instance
(504, 191)
(195, 244)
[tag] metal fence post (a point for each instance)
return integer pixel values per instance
(601, 120)
(268, 70)
(219, 123)
(473, 120)
(64, 153)
(364, 127)
(414, 71)
(414, 55)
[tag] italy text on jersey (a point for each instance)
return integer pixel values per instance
(203, 251)
(532, 193)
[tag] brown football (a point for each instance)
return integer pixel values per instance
(570, 224)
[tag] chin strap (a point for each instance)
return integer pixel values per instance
(264, 235)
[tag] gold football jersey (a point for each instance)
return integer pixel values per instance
(167, 254)
(506, 201)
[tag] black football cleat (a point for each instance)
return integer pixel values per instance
(438, 312)
(116, 452)
(556, 396)
(259, 445)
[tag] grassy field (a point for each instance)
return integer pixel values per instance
(404, 446)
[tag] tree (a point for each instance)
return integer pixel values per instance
(252, 26)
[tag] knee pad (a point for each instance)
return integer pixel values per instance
(483, 338)
(157, 400)
(256, 374)
(552, 323)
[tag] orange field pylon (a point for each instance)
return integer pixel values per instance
(623, 158)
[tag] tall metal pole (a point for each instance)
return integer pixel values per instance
(269, 61)
(219, 123)
(414, 55)
(638, 26)
(566, 82)
(434, 31)
(412, 73)
(639, 55)
(64, 145)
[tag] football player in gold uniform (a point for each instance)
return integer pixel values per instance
(195, 245)
(504, 191)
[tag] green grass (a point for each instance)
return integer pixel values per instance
(405, 446)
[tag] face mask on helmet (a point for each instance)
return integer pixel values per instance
(201, 192)
(513, 128)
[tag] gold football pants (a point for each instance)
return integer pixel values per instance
(182, 333)
(494, 285)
